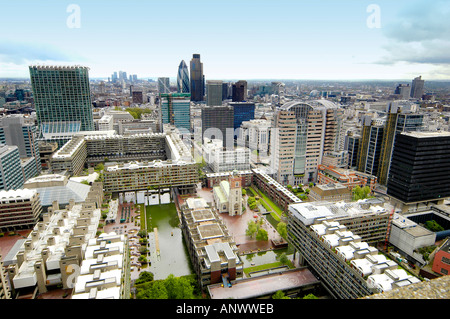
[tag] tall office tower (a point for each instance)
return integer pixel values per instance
(163, 85)
(16, 130)
(176, 110)
(11, 174)
(225, 90)
(303, 132)
(420, 168)
(403, 91)
(417, 88)
(243, 111)
(370, 147)
(217, 120)
(399, 119)
(352, 142)
(214, 93)
(197, 79)
(239, 91)
(183, 85)
(62, 94)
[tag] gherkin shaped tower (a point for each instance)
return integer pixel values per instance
(183, 83)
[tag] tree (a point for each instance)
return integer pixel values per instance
(244, 192)
(360, 192)
(433, 226)
(282, 229)
(279, 295)
(252, 229)
(144, 276)
(262, 234)
(283, 258)
(158, 290)
(310, 296)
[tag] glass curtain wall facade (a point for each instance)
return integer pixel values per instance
(183, 85)
(62, 94)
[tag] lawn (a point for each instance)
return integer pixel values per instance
(271, 204)
(266, 266)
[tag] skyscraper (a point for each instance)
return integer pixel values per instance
(399, 119)
(183, 85)
(197, 79)
(163, 85)
(403, 91)
(239, 91)
(217, 120)
(214, 93)
(176, 110)
(243, 111)
(370, 147)
(19, 131)
(417, 88)
(62, 94)
(303, 132)
(420, 167)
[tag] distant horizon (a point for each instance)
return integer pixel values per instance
(237, 39)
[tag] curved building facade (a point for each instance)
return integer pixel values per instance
(304, 132)
(183, 84)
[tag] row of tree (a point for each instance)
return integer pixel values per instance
(170, 288)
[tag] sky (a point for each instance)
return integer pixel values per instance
(237, 39)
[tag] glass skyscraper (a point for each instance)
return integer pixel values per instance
(183, 85)
(176, 110)
(197, 79)
(62, 94)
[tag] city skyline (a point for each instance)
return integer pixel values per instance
(272, 40)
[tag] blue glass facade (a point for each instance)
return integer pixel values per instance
(243, 112)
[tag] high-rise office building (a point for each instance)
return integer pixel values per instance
(62, 94)
(217, 119)
(176, 110)
(399, 119)
(11, 174)
(239, 91)
(420, 167)
(417, 88)
(303, 132)
(197, 79)
(243, 111)
(183, 84)
(351, 145)
(17, 130)
(214, 93)
(163, 85)
(403, 91)
(370, 147)
(226, 91)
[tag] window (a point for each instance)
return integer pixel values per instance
(446, 260)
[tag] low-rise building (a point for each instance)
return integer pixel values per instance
(408, 236)
(347, 177)
(441, 262)
(274, 190)
(105, 270)
(332, 192)
(19, 209)
(213, 252)
(54, 248)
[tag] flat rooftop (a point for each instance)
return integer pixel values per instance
(210, 230)
(428, 134)
(263, 285)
